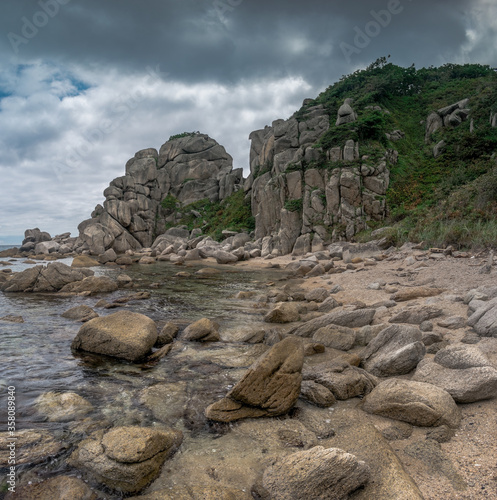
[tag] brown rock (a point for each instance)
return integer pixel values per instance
(415, 293)
(84, 261)
(80, 313)
(319, 473)
(203, 330)
(60, 487)
(123, 334)
(270, 387)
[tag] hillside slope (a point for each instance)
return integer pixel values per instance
(448, 199)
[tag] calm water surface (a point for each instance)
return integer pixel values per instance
(36, 355)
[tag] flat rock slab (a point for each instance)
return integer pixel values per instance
(32, 447)
(355, 434)
(327, 474)
(60, 487)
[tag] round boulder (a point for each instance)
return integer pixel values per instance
(124, 334)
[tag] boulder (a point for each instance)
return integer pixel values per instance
(317, 394)
(416, 315)
(126, 459)
(123, 334)
(60, 487)
(84, 261)
(223, 257)
(284, 312)
(463, 371)
(484, 319)
(317, 295)
(80, 313)
(51, 278)
(196, 492)
(203, 330)
(270, 387)
(62, 407)
(336, 337)
(417, 403)
(396, 350)
(341, 379)
(108, 256)
(91, 285)
(167, 334)
(318, 473)
(340, 317)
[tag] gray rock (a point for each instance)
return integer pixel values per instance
(284, 312)
(336, 337)
(417, 403)
(350, 319)
(223, 257)
(317, 394)
(397, 350)
(416, 315)
(463, 371)
(453, 323)
(343, 380)
(317, 295)
(484, 319)
(51, 278)
(327, 474)
(62, 407)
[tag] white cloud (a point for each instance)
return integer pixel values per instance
(60, 148)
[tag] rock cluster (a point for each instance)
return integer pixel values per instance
(126, 459)
(295, 199)
(188, 169)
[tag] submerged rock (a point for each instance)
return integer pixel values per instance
(270, 387)
(203, 330)
(123, 334)
(126, 459)
(63, 407)
(60, 487)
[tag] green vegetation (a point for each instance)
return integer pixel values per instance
(451, 199)
(294, 205)
(233, 213)
(184, 134)
(169, 204)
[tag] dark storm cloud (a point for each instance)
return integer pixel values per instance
(225, 40)
(86, 83)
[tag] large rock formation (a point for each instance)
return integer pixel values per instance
(187, 168)
(300, 192)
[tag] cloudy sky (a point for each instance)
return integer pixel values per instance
(84, 84)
